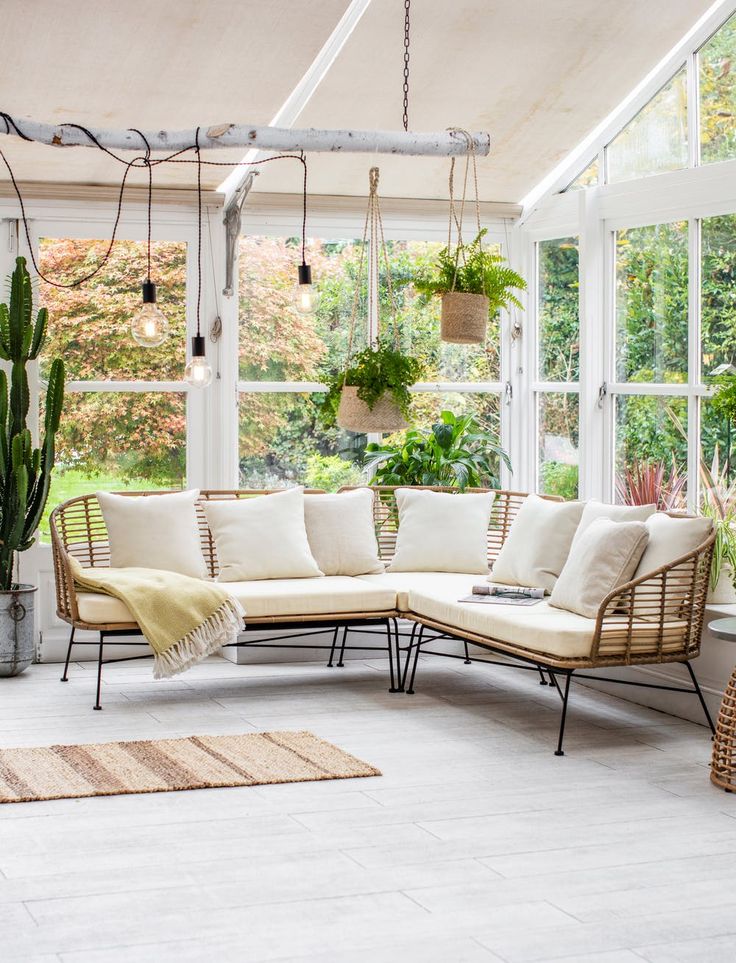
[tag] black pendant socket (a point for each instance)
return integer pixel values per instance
(305, 274)
(149, 292)
(198, 346)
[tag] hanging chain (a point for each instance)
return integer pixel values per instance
(407, 6)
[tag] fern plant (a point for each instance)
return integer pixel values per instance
(472, 270)
(374, 371)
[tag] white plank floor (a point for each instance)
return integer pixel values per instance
(476, 844)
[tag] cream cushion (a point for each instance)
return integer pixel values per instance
(442, 532)
(538, 543)
(155, 531)
(341, 534)
(261, 537)
(403, 582)
(670, 538)
(603, 557)
(616, 513)
(274, 598)
(539, 627)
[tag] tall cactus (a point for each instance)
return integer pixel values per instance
(25, 471)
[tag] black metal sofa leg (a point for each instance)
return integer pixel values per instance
(563, 717)
(394, 658)
(340, 661)
(97, 704)
(333, 647)
(417, 647)
(699, 693)
(65, 677)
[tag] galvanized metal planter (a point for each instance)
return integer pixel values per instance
(17, 629)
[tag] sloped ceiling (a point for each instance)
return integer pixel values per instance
(537, 74)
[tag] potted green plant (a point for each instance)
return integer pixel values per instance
(25, 471)
(457, 452)
(373, 393)
(719, 503)
(474, 285)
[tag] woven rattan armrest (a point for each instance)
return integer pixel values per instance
(657, 616)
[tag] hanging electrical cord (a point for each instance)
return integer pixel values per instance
(407, 10)
(145, 161)
(198, 372)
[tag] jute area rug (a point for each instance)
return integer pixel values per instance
(165, 765)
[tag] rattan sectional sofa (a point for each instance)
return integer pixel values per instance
(657, 618)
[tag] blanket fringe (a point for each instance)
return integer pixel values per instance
(221, 628)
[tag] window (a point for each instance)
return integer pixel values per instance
(651, 391)
(588, 177)
(285, 357)
(718, 292)
(717, 84)
(112, 437)
(558, 366)
(656, 139)
(652, 303)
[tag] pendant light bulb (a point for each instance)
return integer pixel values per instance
(198, 372)
(149, 326)
(305, 295)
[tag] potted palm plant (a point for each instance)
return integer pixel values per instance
(474, 285)
(25, 471)
(719, 503)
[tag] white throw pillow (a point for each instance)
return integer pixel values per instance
(261, 537)
(602, 558)
(442, 531)
(154, 531)
(538, 543)
(670, 538)
(341, 533)
(616, 513)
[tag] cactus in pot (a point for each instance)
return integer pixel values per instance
(25, 471)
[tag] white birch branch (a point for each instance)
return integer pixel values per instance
(443, 144)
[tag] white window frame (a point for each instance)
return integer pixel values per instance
(342, 218)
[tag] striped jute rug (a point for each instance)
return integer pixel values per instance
(164, 765)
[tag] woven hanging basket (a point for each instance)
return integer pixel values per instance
(464, 317)
(723, 764)
(355, 415)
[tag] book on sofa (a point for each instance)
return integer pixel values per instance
(505, 594)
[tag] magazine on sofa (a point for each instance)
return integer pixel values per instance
(505, 594)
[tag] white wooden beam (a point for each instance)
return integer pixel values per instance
(441, 144)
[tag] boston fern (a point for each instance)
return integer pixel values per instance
(456, 452)
(478, 272)
(373, 372)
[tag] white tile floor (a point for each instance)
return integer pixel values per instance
(476, 844)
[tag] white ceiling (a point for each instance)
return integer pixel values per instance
(537, 74)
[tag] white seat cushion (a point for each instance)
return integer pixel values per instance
(330, 595)
(99, 609)
(539, 627)
(261, 599)
(403, 582)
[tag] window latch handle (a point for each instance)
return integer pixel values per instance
(602, 392)
(508, 393)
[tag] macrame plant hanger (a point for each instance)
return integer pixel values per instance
(353, 413)
(464, 315)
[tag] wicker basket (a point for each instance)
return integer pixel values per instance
(464, 318)
(355, 415)
(723, 764)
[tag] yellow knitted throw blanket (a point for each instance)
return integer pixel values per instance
(184, 619)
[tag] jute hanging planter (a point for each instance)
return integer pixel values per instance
(464, 317)
(355, 415)
(381, 372)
